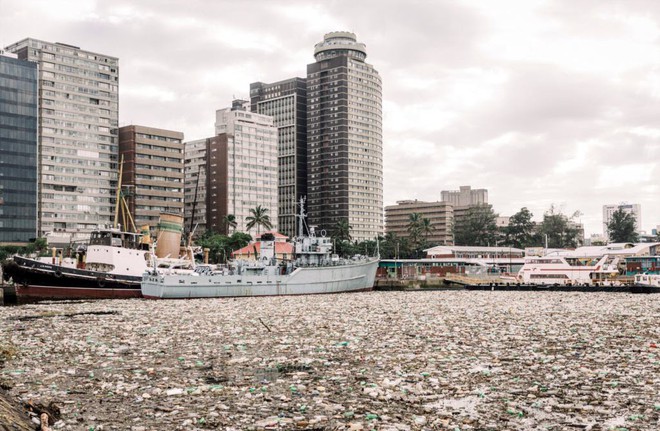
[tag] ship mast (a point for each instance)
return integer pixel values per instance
(118, 195)
(301, 217)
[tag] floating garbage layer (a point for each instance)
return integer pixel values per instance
(381, 360)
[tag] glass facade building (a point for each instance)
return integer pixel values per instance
(286, 102)
(18, 150)
(78, 145)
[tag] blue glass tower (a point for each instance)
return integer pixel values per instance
(18, 150)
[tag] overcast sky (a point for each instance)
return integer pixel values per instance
(539, 102)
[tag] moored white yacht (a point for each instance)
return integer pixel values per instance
(569, 271)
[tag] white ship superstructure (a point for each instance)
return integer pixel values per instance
(313, 270)
(573, 271)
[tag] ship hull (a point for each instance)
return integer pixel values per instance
(303, 281)
(36, 281)
(546, 288)
(644, 288)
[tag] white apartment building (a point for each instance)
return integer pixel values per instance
(78, 118)
(250, 163)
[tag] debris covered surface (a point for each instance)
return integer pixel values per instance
(379, 360)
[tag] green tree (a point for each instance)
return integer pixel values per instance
(230, 222)
(520, 231)
(238, 240)
(259, 218)
(560, 230)
(427, 229)
(388, 245)
(342, 230)
(221, 246)
(477, 227)
(621, 227)
(341, 238)
(415, 229)
(217, 244)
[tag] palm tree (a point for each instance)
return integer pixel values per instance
(415, 227)
(426, 228)
(230, 222)
(342, 231)
(258, 218)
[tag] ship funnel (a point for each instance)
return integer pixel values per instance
(170, 227)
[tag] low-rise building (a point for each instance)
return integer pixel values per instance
(439, 214)
(473, 252)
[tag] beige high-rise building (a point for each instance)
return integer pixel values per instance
(439, 214)
(152, 172)
(78, 116)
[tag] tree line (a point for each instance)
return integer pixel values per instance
(479, 227)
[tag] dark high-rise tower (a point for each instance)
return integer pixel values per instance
(18, 150)
(286, 102)
(344, 133)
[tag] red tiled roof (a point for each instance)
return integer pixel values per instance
(248, 250)
(277, 234)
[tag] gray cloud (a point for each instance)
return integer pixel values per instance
(558, 108)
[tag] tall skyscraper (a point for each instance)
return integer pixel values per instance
(634, 209)
(18, 150)
(344, 133)
(77, 129)
(239, 166)
(286, 102)
(152, 172)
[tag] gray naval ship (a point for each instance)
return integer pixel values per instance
(313, 269)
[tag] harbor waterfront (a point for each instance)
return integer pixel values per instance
(360, 361)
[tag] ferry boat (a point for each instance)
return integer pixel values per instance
(312, 270)
(110, 266)
(569, 271)
(646, 283)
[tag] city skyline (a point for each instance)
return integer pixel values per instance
(523, 99)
